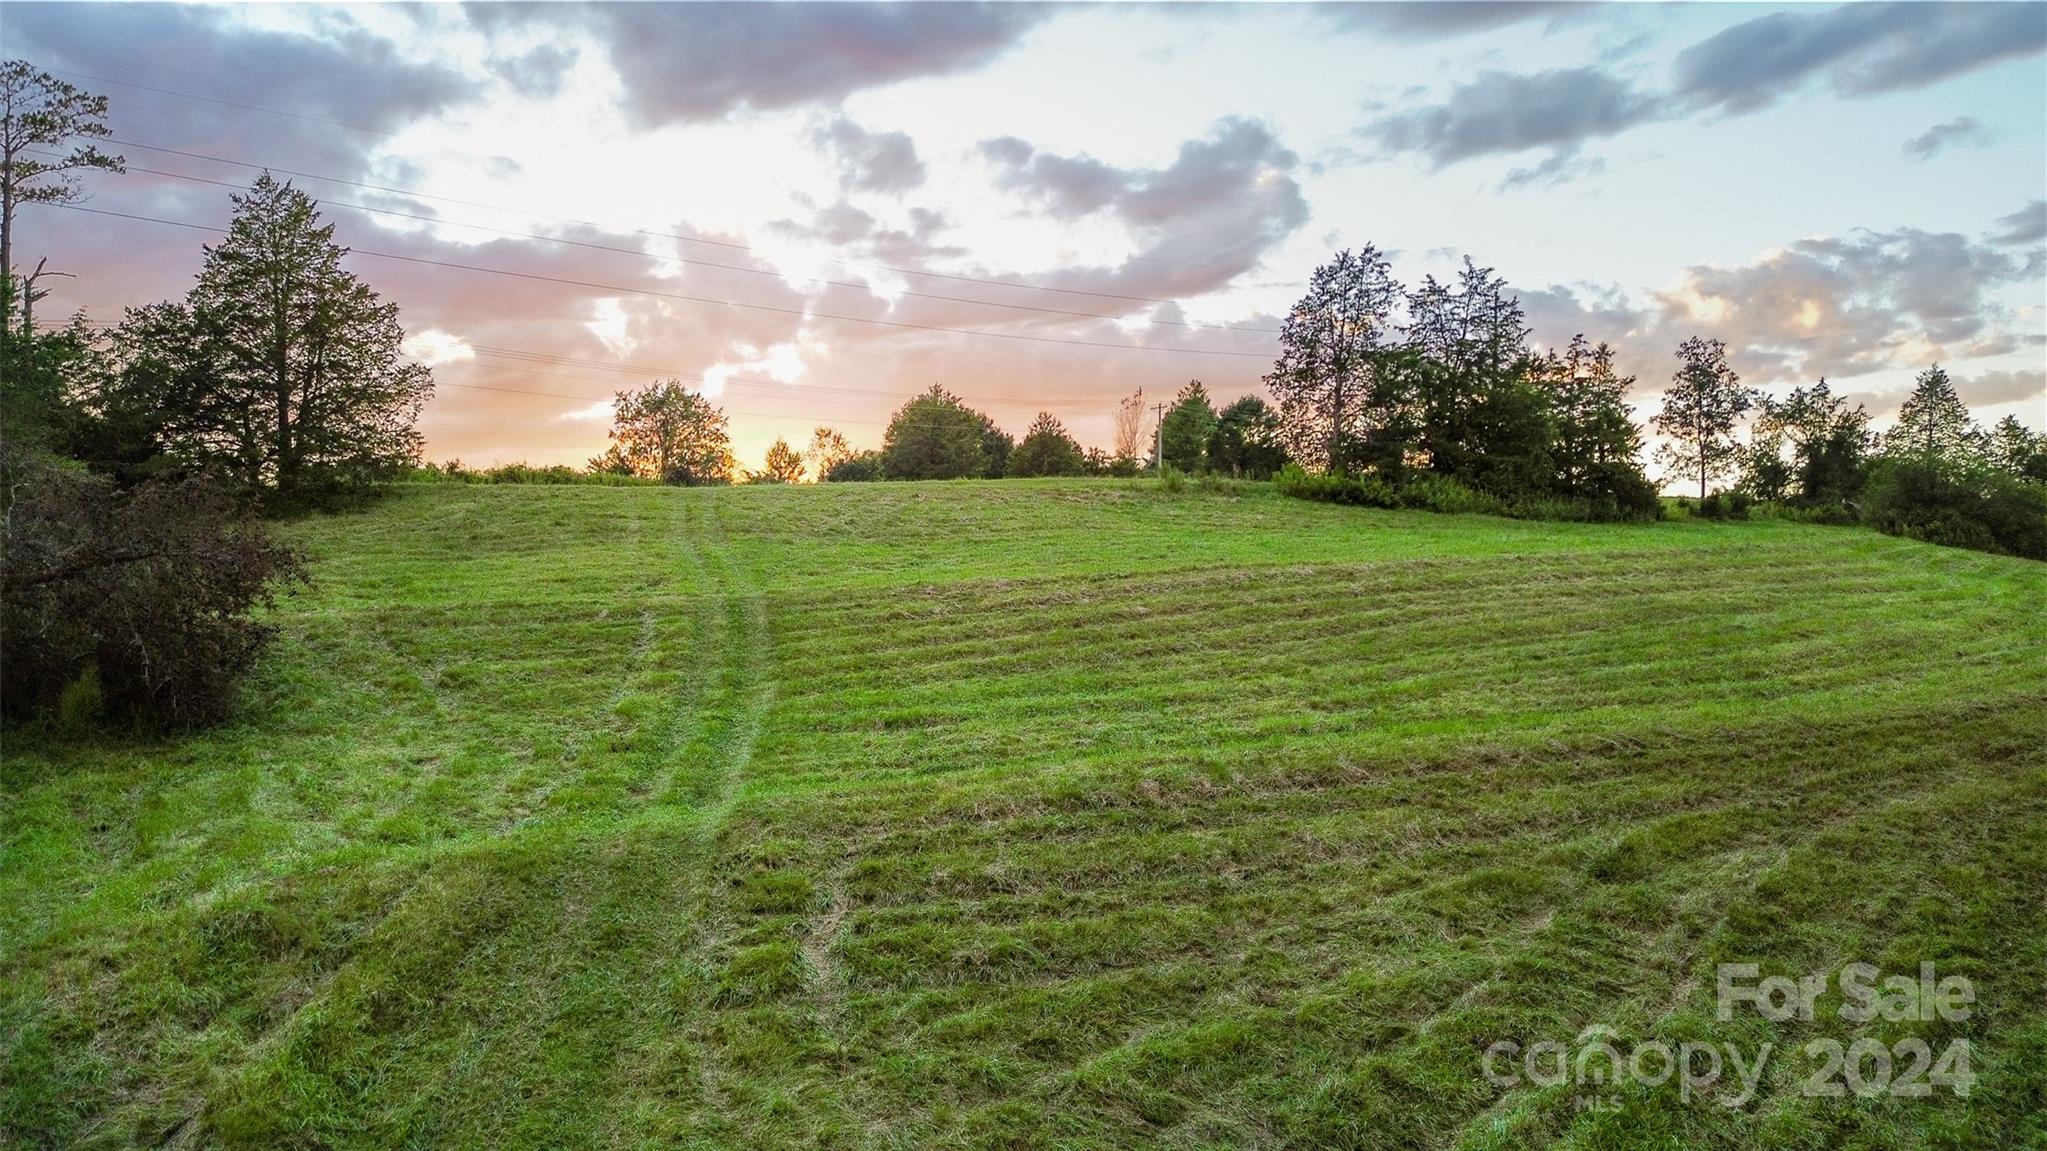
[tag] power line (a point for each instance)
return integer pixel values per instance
(398, 191)
(524, 356)
(518, 355)
(646, 255)
(223, 103)
(802, 312)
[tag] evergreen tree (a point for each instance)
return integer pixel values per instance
(1596, 447)
(1464, 375)
(1824, 439)
(1934, 428)
(2017, 450)
(279, 367)
(39, 116)
(1047, 450)
(1183, 437)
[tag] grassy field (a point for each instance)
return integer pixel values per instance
(1062, 814)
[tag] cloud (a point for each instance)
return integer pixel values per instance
(1507, 112)
(1990, 388)
(1823, 306)
(1206, 218)
(2028, 225)
(1982, 390)
(345, 75)
(1962, 131)
(870, 161)
(537, 72)
(1560, 167)
(695, 62)
(1430, 21)
(1859, 303)
(1861, 49)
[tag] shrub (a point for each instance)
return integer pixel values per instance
(1972, 507)
(1438, 493)
(861, 469)
(1441, 493)
(1172, 479)
(141, 598)
(1721, 506)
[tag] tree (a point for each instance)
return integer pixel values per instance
(1934, 427)
(666, 432)
(996, 445)
(279, 367)
(1463, 380)
(1334, 350)
(1183, 436)
(936, 437)
(1046, 450)
(1700, 409)
(39, 372)
(1826, 442)
(1130, 427)
(1245, 441)
(1595, 446)
(784, 465)
(2017, 450)
(828, 449)
(40, 116)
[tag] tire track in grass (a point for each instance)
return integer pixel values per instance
(707, 779)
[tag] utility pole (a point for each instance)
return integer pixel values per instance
(1160, 433)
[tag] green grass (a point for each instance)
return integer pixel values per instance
(1060, 814)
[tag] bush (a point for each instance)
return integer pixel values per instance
(453, 472)
(864, 468)
(134, 603)
(1438, 493)
(1971, 507)
(1172, 479)
(1330, 487)
(1441, 493)
(1720, 506)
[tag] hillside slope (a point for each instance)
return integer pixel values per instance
(1032, 814)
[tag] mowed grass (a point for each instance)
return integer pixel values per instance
(1062, 814)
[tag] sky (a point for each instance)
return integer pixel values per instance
(814, 211)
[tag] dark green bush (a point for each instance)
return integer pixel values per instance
(1959, 506)
(133, 602)
(1441, 493)
(864, 468)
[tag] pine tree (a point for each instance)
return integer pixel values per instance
(1934, 427)
(1188, 424)
(280, 366)
(40, 114)
(1047, 450)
